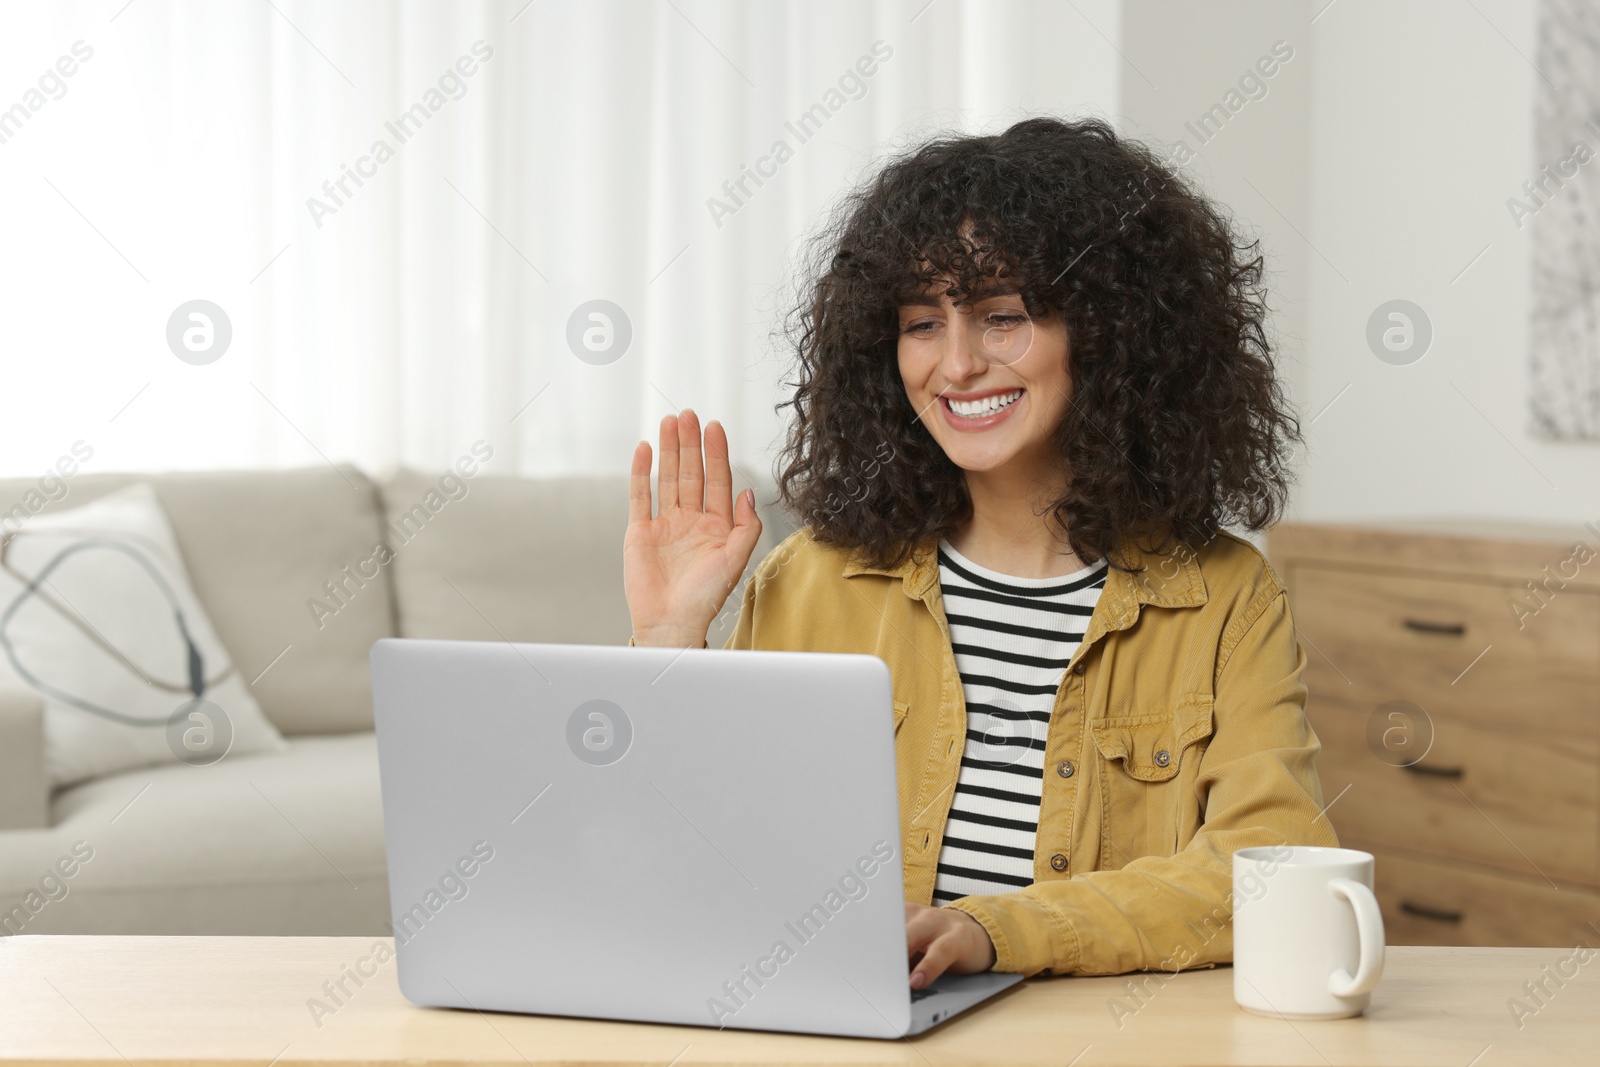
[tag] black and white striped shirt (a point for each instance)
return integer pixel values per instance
(1013, 638)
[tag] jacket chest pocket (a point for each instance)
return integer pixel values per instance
(1146, 757)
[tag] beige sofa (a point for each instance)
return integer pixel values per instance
(292, 842)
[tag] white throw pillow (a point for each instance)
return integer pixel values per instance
(97, 616)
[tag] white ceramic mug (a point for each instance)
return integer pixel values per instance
(1307, 934)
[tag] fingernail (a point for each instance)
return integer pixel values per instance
(750, 497)
(917, 980)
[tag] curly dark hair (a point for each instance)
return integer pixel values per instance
(1177, 422)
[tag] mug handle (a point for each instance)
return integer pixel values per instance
(1369, 928)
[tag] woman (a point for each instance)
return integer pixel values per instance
(1034, 382)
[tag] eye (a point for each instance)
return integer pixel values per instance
(920, 329)
(1007, 318)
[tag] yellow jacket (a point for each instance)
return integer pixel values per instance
(1178, 735)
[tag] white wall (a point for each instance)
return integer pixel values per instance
(1422, 123)
(1387, 149)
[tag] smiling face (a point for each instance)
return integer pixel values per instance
(989, 380)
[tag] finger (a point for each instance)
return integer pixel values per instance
(719, 475)
(936, 959)
(639, 484)
(667, 469)
(691, 474)
(744, 535)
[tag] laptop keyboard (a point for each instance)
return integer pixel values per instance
(920, 994)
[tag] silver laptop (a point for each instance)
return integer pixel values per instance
(660, 835)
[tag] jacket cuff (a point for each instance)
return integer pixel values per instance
(1028, 935)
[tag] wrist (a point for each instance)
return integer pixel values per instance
(985, 952)
(667, 637)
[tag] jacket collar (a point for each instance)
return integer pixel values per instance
(1170, 579)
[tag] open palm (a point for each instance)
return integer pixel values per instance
(679, 566)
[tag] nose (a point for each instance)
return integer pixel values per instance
(960, 359)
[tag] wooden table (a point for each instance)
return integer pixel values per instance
(188, 1000)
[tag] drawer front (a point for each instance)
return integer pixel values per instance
(1452, 646)
(1524, 801)
(1426, 903)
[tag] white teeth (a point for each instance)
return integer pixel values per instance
(973, 409)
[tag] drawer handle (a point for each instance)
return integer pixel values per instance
(1434, 772)
(1422, 911)
(1423, 626)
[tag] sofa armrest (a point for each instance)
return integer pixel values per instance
(24, 784)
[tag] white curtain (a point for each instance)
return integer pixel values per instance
(399, 320)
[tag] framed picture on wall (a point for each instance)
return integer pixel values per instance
(1561, 204)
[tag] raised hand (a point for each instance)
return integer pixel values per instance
(679, 566)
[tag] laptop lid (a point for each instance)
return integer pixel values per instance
(668, 835)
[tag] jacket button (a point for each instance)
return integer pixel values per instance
(1065, 768)
(1058, 861)
(1078, 668)
(1162, 759)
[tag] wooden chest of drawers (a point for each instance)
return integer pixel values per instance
(1454, 678)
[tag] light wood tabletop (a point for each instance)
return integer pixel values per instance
(190, 1000)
